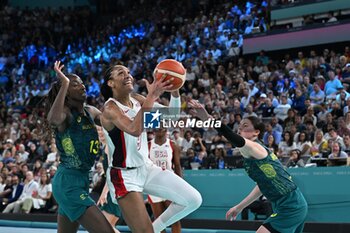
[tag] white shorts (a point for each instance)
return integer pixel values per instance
(122, 181)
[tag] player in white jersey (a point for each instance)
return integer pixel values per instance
(130, 171)
(165, 154)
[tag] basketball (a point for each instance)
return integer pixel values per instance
(174, 69)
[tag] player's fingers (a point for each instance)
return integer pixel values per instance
(167, 82)
(168, 87)
(227, 215)
(163, 77)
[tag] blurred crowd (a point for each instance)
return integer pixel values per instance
(303, 99)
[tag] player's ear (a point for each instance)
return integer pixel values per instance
(257, 132)
(110, 83)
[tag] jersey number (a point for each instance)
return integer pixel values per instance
(94, 146)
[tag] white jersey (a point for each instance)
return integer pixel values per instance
(125, 150)
(161, 155)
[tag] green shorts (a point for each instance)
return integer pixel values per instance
(111, 207)
(289, 214)
(71, 190)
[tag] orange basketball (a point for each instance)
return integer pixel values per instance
(174, 69)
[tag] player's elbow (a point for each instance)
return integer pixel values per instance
(136, 132)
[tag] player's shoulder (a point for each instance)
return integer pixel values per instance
(110, 108)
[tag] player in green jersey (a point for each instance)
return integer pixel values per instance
(273, 181)
(78, 145)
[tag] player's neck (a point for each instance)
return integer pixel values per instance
(124, 100)
(160, 140)
(76, 105)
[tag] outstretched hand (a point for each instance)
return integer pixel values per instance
(232, 213)
(198, 110)
(102, 200)
(158, 86)
(58, 69)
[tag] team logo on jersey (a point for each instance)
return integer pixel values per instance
(68, 146)
(151, 120)
(268, 170)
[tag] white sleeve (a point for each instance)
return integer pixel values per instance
(174, 106)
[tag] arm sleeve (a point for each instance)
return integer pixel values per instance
(235, 139)
(174, 106)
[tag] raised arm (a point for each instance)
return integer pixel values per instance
(57, 114)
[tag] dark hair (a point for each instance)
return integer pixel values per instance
(290, 141)
(298, 153)
(106, 90)
(306, 136)
(258, 125)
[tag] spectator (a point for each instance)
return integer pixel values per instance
(6, 193)
(39, 198)
(333, 135)
(16, 192)
(299, 101)
(337, 151)
(303, 144)
(271, 144)
(97, 174)
(282, 108)
(275, 125)
(342, 129)
(287, 145)
(177, 138)
(346, 147)
(9, 149)
(249, 111)
(52, 172)
(269, 131)
(309, 116)
(295, 160)
(319, 145)
(198, 144)
(267, 110)
(52, 157)
(332, 85)
(187, 142)
(317, 95)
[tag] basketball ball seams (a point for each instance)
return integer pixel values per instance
(171, 73)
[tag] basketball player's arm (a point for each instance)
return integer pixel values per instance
(58, 112)
(174, 104)
(252, 196)
(103, 197)
(175, 101)
(112, 114)
(247, 147)
(95, 114)
(176, 159)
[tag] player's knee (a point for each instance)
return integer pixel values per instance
(195, 200)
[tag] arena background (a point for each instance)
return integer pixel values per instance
(102, 32)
